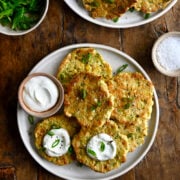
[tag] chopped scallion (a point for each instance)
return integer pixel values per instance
(122, 68)
(31, 119)
(102, 147)
(55, 143)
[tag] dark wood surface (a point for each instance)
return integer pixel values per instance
(63, 27)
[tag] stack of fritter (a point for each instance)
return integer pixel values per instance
(112, 9)
(96, 101)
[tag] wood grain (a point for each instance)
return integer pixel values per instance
(63, 27)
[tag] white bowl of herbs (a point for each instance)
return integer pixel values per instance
(19, 17)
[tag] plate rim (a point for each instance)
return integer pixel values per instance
(116, 26)
(156, 104)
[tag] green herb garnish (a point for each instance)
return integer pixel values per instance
(79, 164)
(130, 135)
(20, 14)
(128, 102)
(127, 105)
(115, 19)
(98, 104)
(42, 149)
(50, 133)
(122, 68)
(102, 147)
(94, 4)
(85, 58)
(109, 1)
(31, 119)
(90, 151)
(55, 143)
(131, 9)
(70, 150)
(147, 15)
(83, 94)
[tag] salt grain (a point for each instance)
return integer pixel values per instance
(168, 53)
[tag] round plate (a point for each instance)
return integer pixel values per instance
(127, 20)
(50, 64)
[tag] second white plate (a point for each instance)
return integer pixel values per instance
(129, 19)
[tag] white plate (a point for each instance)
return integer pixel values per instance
(49, 65)
(129, 19)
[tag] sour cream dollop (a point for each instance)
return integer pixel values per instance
(101, 147)
(40, 93)
(56, 142)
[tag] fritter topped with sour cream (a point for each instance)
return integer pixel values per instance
(81, 139)
(54, 122)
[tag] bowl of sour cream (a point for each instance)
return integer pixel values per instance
(166, 54)
(41, 95)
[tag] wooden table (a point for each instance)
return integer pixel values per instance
(63, 27)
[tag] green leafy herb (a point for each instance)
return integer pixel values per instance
(90, 151)
(70, 150)
(94, 4)
(102, 147)
(31, 119)
(131, 9)
(85, 59)
(147, 15)
(79, 164)
(127, 105)
(115, 19)
(83, 94)
(20, 14)
(128, 102)
(98, 104)
(55, 143)
(130, 135)
(42, 149)
(62, 78)
(122, 68)
(138, 129)
(109, 1)
(50, 133)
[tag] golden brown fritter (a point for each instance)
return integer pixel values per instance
(56, 121)
(135, 133)
(81, 139)
(133, 97)
(149, 6)
(83, 60)
(88, 99)
(110, 9)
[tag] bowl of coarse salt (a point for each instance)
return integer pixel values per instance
(166, 54)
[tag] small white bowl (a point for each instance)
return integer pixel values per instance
(50, 111)
(10, 32)
(165, 54)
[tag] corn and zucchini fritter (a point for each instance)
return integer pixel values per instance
(81, 139)
(56, 121)
(88, 99)
(82, 60)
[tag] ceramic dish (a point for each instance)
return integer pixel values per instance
(72, 171)
(50, 111)
(10, 32)
(129, 19)
(166, 54)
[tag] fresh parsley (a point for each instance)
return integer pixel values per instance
(20, 14)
